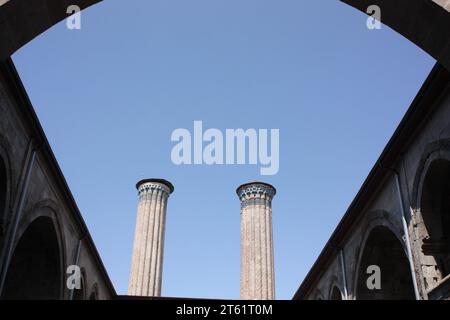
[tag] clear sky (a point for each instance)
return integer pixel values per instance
(110, 95)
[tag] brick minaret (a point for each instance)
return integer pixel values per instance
(257, 263)
(148, 248)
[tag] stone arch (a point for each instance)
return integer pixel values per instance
(335, 293)
(431, 202)
(437, 150)
(24, 23)
(424, 22)
(382, 247)
(35, 270)
(46, 208)
(376, 218)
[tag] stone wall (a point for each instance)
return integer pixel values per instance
(37, 191)
(383, 214)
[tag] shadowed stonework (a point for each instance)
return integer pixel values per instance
(424, 22)
(399, 220)
(22, 21)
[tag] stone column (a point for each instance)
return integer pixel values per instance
(257, 262)
(148, 248)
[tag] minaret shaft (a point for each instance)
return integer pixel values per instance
(257, 269)
(148, 247)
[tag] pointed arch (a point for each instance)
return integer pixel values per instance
(383, 249)
(35, 268)
(431, 202)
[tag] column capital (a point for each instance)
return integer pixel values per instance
(253, 189)
(147, 185)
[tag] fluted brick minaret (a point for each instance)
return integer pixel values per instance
(148, 248)
(257, 262)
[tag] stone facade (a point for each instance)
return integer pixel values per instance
(39, 221)
(148, 249)
(400, 218)
(399, 221)
(257, 261)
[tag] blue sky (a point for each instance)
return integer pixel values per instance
(110, 95)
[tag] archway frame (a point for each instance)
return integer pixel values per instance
(436, 151)
(334, 284)
(381, 218)
(45, 209)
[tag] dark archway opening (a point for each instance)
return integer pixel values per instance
(384, 250)
(435, 209)
(35, 268)
(336, 294)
